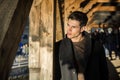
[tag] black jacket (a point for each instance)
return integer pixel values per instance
(65, 64)
(97, 68)
(65, 68)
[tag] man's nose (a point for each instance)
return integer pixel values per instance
(69, 28)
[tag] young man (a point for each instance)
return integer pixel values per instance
(72, 54)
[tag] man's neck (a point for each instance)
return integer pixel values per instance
(77, 39)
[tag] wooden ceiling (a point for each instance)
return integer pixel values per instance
(98, 11)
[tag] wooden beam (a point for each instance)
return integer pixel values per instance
(107, 1)
(108, 8)
(100, 8)
(89, 6)
(59, 20)
(90, 14)
(14, 14)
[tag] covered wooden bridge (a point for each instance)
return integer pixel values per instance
(47, 19)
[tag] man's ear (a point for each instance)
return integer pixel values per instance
(84, 28)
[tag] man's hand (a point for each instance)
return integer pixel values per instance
(81, 76)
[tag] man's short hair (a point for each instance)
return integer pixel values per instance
(79, 16)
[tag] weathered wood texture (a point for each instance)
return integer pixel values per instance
(59, 21)
(108, 8)
(34, 40)
(41, 39)
(13, 15)
(106, 1)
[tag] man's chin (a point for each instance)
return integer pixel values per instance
(68, 36)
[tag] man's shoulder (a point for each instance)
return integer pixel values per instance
(58, 43)
(64, 40)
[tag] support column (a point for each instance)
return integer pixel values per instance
(41, 40)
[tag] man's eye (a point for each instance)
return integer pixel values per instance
(67, 24)
(73, 27)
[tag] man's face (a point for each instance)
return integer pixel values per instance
(73, 29)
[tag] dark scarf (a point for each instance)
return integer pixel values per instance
(67, 60)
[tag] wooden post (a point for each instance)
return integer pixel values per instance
(13, 16)
(41, 40)
(59, 31)
(34, 41)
